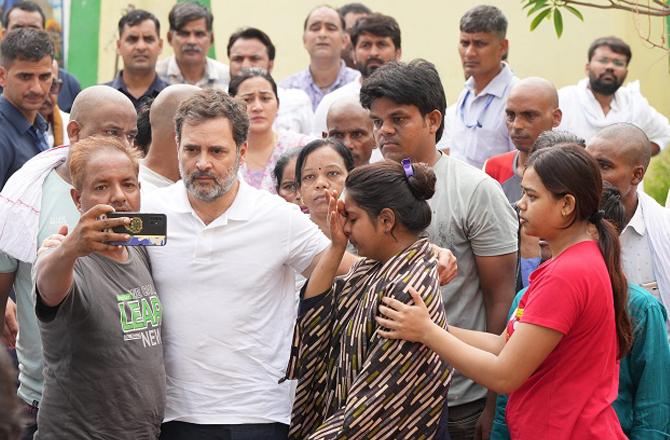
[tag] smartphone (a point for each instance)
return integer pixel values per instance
(144, 229)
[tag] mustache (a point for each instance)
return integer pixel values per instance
(374, 60)
(198, 174)
(31, 95)
(191, 48)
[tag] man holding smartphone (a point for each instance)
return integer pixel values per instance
(100, 317)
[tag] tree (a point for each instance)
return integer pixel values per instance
(553, 10)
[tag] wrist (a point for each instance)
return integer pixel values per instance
(429, 334)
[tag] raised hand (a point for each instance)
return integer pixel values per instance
(336, 220)
(93, 234)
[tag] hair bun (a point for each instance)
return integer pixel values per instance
(422, 183)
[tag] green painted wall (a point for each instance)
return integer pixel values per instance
(84, 35)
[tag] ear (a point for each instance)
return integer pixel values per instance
(504, 44)
(386, 220)
(160, 45)
(638, 174)
(556, 116)
(434, 120)
(73, 130)
(76, 198)
(568, 205)
(243, 152)
(3, 76)
(118, 45)
(398, 54)
(169, 37)
(271, 64)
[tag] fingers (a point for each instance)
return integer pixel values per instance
(97, 211)
(388, 334)
(416, 297)
(394, 304)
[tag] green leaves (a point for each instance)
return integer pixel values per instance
(549, 9)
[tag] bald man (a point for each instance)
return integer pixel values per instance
(623, 152)
(34, 203)
(160, 168)
(349, 122)
(532, 108)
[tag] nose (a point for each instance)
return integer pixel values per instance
(192, 38)
(117, 196)
(246, 63)
(203, 163)
(346, 140)
(255, 105)
(470, 50)
(322, 181)
(521, 204)
(386, 128)
(141, 44)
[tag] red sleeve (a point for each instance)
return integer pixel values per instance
(553, 302)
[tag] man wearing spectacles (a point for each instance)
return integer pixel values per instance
(56, 118)
(26, 57)
(475, 125)
(600, 100)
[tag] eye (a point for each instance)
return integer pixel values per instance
(112, 132)
(357, 135)
(333, 173)
(24, 76)
(510, 116)
(308, 177)
(100, 187)
(397, 120)
(377, 123)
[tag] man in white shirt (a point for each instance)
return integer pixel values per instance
(475, 126)
(159, 168)
(600, 100)
(191, 36)
(623, 153)
(376, 41)
(251, 47)
(228, 315)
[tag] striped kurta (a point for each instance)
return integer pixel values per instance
(355, 384)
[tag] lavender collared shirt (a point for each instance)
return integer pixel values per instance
(304, 81)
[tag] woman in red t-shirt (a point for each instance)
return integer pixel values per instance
(558, 357)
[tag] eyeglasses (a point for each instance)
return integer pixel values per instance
(56, 85)
(606, 61)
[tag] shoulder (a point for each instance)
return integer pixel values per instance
(568, 92)
(163, 198)
(287, 139)
(291, 81)
(294, 96)
(465, 177)
(501, 166)
(639, 301)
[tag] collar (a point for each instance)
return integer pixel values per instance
(636, 223)
(210, 74)
(16, 118)
(241, 210)
(497, 85)
(338, 80)
(584, 85)
(156, 86)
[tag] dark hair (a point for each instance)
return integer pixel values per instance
(484, 18)
(385, 185)
(616, 45)
(25, 44)
(552, 138)
(304, 26)
(183, 13)
(280, 165)
(252, 33)
(416, 83)
(252, 72)
(569, 169)
(11, 420)
(211, 104)
(612, 206)
(143, 138)
(137, 16)
(378, 25)
(317, 144)
(26, 6)
(355, 8)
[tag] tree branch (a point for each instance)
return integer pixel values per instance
(626, 6)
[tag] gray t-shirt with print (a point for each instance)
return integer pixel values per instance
(471, 217)
(104, 376)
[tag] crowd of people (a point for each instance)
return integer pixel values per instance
(347, 256)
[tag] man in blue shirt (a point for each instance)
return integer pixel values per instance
(26, 57)
(29, 14)
(139, 45)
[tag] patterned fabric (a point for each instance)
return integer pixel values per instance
(263, 178)
(352, 382)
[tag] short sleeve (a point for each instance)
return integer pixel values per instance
(8, 264)
(552, 302)
(492, 224)
(306, 241)
(71, 308)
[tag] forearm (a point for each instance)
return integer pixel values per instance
(475, 363)
(6, 282)
(484, 341)
(321, 278)
(55, 275)
(346, 262)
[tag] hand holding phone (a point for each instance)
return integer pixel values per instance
(145, 229)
